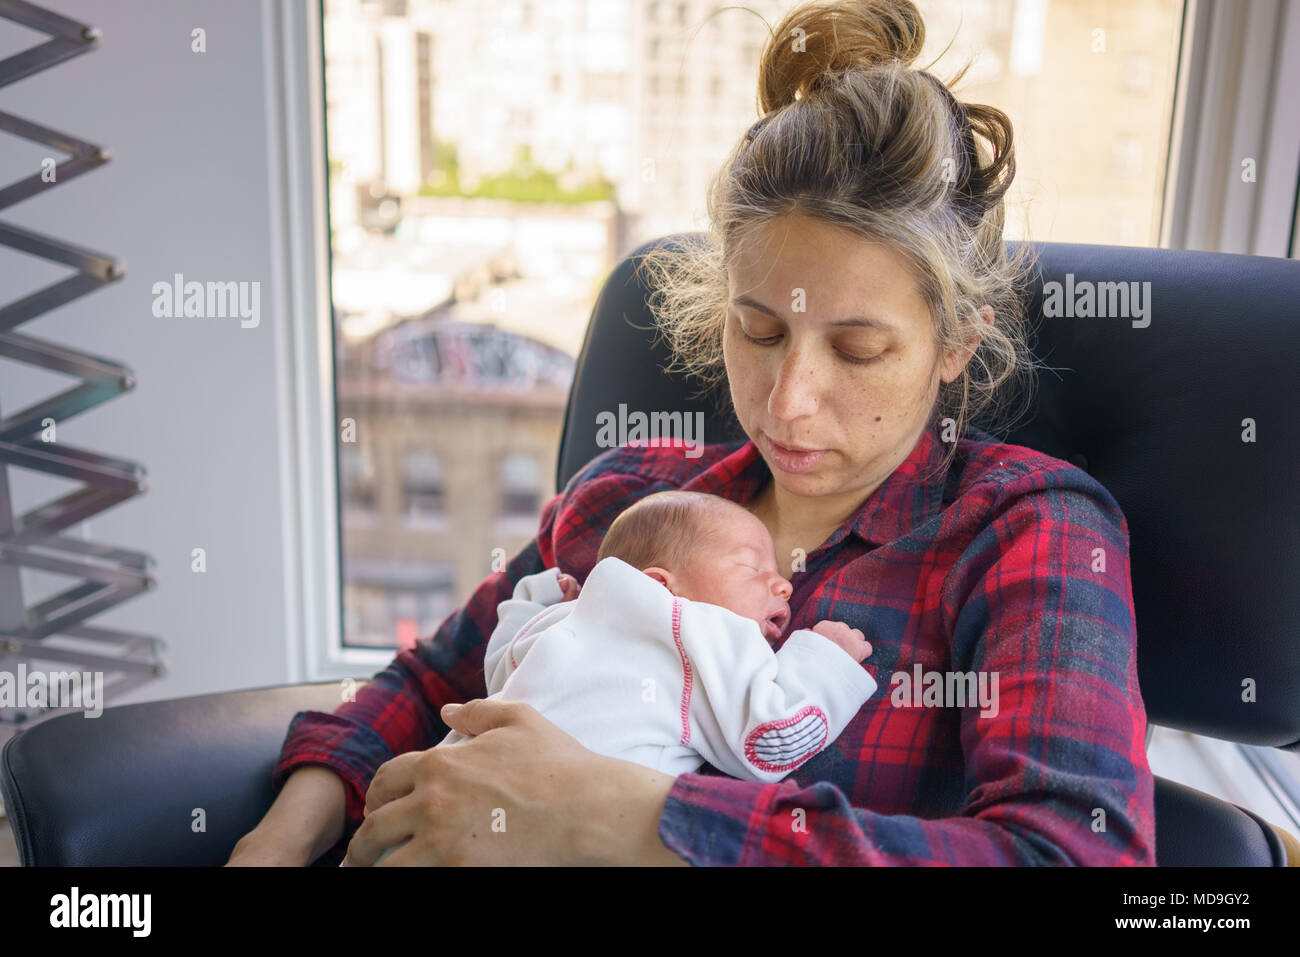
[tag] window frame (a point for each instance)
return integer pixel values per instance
(1232, 58)
(294, 65)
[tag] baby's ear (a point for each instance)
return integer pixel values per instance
(660, 575)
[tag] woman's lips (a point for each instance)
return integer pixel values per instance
(790, 460)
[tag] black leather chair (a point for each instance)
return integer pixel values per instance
(1154, 413)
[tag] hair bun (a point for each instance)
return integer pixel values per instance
(828, 37)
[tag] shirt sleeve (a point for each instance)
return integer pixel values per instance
(1057, 773)
(398, 710)
(757, 714)
(518, 618)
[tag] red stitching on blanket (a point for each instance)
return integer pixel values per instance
(686, 672)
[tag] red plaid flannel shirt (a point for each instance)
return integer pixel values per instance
(1013, 562)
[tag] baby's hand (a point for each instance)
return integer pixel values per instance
(569, 586)
(850, 639)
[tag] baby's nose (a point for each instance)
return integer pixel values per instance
(784, 588)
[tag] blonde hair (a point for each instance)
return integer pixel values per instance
(852, 136)
(663, 529)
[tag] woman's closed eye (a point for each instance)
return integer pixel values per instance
(772, 340)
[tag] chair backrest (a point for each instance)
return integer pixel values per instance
(1182, 409)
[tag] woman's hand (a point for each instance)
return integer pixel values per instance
(521, 792)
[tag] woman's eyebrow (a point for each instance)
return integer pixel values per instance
(850, 321)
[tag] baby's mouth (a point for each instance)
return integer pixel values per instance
(775, 624)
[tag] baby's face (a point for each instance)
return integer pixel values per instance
(738, 571)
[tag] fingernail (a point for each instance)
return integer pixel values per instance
(450, 708)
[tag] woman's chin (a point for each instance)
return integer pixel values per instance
(806, 484)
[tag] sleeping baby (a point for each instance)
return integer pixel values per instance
(662, 657)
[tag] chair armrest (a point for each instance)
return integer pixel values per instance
(121, 789)
(1194, 829)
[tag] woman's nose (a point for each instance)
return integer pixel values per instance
(795, 393)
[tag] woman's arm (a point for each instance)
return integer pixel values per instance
(397, 711)
(526, 793)
(1058, 775)
(625, 830)
(304, 822)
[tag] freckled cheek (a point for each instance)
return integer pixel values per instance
(885, 399)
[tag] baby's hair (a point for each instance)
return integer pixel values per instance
(663, 529)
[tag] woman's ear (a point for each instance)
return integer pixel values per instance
(955, 361)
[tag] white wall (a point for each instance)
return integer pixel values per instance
(189, 190)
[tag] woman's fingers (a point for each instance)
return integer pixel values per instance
(383, 830)
(480, 715)
(394, 779)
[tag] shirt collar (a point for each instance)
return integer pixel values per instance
(907, 498)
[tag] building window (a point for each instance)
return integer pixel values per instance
(357, 480)
(388, 604)
(423, 485)
(520, 487)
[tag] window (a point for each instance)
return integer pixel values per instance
(390, 605)
(1090, 156)
(520, 485)
(424, 487)
(357, 482)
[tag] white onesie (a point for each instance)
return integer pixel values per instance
(634, 672)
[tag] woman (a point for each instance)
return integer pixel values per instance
(857, 297)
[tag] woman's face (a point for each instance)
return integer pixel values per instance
(845, 358)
